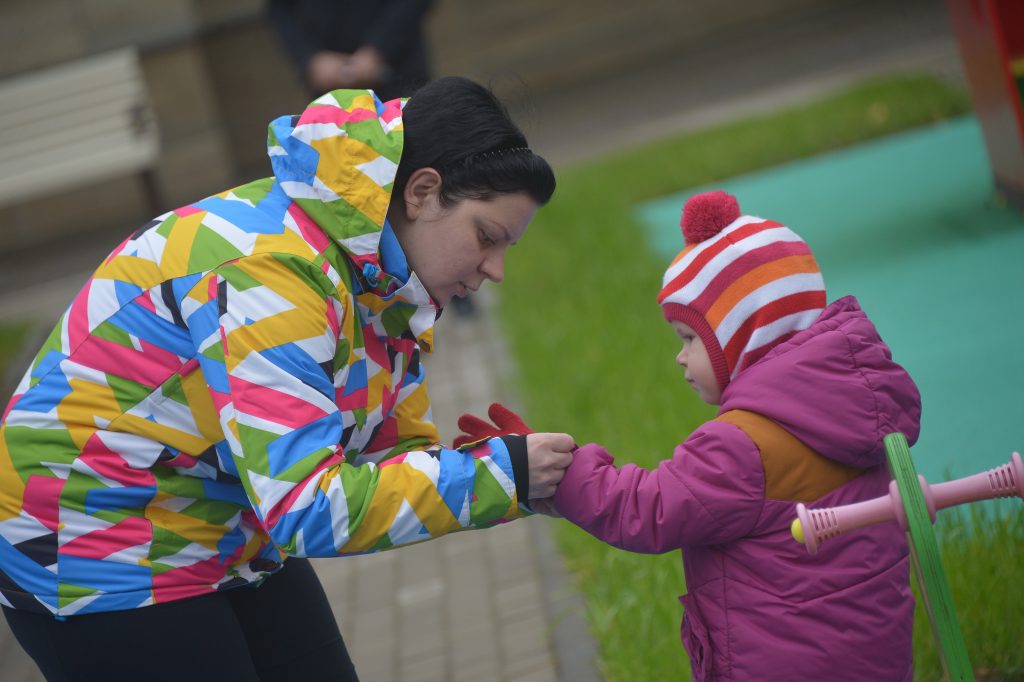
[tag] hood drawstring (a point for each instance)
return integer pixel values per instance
(372, 274)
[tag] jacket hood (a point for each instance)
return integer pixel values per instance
(834, 386)
(337, 161)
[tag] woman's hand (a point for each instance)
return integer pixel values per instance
(367, 67)
(328, 70)
(364, 68)
(549, 455)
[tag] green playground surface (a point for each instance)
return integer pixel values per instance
(911, 226)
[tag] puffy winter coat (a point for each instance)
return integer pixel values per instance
(240, 380)
(803, 424)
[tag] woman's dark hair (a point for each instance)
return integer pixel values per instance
(461, 130)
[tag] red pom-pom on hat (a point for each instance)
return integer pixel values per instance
(704, 215)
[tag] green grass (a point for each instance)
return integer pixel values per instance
(983, 556)
(11, 338)
(596, 359)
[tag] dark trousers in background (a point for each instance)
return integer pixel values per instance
(282, 630)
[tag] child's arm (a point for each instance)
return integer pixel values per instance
(710, 491)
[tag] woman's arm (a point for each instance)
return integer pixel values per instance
(269, 327)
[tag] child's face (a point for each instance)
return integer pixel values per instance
(694, 359)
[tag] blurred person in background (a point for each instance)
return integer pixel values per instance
(239, 386)
(340, 44)
(378, 45)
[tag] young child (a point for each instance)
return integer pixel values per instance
(807, 392)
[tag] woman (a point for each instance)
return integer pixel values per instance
(240, 381)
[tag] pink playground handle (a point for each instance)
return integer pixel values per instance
(814, 526)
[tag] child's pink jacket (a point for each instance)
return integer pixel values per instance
(759, 607)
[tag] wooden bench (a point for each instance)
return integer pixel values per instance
(74, 124)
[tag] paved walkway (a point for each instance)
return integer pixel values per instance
(496, 605)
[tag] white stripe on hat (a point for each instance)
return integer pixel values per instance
(677, 267)
(692, 289)
(770, 332)
(762, 296)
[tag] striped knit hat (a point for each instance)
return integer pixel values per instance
(744, 284)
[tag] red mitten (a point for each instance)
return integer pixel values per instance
(506, 422)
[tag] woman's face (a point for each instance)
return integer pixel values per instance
(453, 250)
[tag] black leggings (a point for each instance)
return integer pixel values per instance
(282, 630)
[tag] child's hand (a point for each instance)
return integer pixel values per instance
(549, 455)
(506, 422)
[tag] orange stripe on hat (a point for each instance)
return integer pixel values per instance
(755, 279)
(753, 253)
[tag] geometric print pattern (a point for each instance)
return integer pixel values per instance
(238, 381)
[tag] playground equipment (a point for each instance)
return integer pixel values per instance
(991, 38)
(912, 503)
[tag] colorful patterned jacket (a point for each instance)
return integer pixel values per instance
(240, 380)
